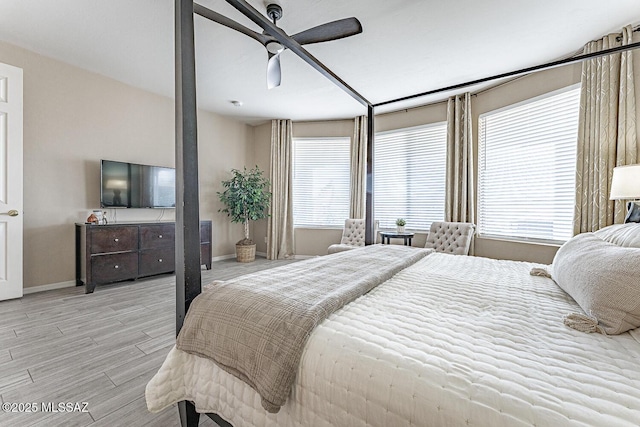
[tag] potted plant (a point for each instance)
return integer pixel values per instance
(246, 198)
(400, 223)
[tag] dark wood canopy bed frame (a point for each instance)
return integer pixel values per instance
(188, 278)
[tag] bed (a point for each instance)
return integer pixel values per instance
(446, 341)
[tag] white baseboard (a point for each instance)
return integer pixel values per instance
(49, 287)
(231, 256)
(223, 257)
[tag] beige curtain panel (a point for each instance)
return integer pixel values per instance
(606, 133)
(358, 192)
(280, 224)
(459, 196)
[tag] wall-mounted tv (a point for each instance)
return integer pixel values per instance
(130, 185)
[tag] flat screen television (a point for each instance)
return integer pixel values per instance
(130, 185)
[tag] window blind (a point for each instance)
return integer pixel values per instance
(526, 168)
(409, 176)
(321, 181)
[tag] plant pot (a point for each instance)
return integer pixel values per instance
(400, 228)
(245, 253)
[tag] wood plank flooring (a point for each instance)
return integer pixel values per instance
(100, 348)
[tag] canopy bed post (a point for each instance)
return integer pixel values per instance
(188, 280)
(370, 237)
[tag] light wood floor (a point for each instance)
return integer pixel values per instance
(100, 348)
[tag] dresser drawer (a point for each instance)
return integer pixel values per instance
(113, 239)
(114, 267)
(157, 236)
(157, 261)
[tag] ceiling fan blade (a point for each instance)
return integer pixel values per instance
(230, 23)
(330, 31)
(274, 74)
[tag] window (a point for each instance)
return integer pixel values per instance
(321, 181)
(409, 176)
(526, 168)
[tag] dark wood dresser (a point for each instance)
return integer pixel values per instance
(127, 251)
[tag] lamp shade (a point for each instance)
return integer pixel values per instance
(625, 183)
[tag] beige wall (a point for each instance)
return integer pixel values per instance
(315, 241)
(74, 118)
(433, 113)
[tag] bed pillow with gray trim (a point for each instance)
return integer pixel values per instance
(604, 279)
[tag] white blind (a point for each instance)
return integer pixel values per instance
(321, 181)
(409, 176)
(526, 168)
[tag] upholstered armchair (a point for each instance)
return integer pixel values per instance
(451, 237)
(352, 236)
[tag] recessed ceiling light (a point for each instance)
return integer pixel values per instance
(236, 103)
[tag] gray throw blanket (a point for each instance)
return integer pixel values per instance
(256, 326)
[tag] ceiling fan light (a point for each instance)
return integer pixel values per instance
(274, 47)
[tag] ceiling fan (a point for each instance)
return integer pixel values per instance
(326, 32)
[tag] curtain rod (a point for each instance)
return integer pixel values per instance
(527, 70)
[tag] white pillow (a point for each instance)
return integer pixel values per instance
(603, 278)
(627, 235)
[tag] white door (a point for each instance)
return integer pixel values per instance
(10, 182)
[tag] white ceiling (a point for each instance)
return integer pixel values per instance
(407, 47)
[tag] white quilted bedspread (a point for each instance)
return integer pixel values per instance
(450, 341)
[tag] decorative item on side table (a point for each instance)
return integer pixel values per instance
(400, 223)
(625, 185)
(246, 198)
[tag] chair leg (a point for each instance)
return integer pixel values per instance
(188, 415)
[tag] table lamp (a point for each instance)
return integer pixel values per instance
(625, 185)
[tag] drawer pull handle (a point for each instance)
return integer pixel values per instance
(116, 266)
(160, 260)
(116, 240)
(160, 236)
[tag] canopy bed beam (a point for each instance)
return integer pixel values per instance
(516, 73)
